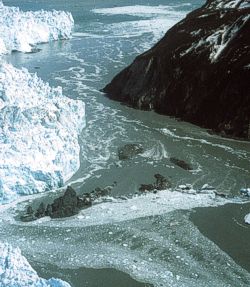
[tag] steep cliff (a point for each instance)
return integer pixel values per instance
(198, 72)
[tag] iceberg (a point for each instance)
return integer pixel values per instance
(39, 129)
(15, 271)
(21, 31)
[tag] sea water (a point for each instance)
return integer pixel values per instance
(150, 237)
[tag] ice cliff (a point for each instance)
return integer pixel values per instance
(39, 130)
(21, 31)
(39, 126)
(15, 271)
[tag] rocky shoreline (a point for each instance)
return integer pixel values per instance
(199, 72)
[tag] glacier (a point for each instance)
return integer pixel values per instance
(15, 270)
(21, 31)
(39, 130)
(39, 126)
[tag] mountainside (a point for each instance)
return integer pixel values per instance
(198, 72)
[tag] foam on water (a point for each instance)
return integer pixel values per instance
(242, 154)
(153, 20)
(39, 130)
(21, 31)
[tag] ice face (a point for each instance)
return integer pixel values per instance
(16, 271)
(21, 31)
(39, 130)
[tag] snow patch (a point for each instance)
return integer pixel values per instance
(21, 31)
(15, 271)
(218, 40)
(39, 130)
(228, 4)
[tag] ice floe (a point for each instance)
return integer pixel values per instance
(140, 11)
(21, 31)
(15, 271)
(247, 218)
(39, 130)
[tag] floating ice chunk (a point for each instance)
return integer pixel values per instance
(247, 218)
(15, 271)
(245, 191)
(21, 31)
(39, 130)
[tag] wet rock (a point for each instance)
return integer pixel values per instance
(40, 211)
(67, 205)
(49, 210)
(161, 183)
(181, 163)
(188, 188)
(146, 187)
(30, 210)
(129, 151)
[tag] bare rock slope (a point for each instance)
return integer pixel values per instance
(198, 72)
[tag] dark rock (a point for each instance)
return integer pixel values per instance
(199, 72)
(49, 210)
(30, 210)
(181, 163)
(67, 205)
(146, 187)
(128, 151)
(40, 211)
(161, 183)
(27, 217)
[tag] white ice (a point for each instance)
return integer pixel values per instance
(39, 130)
(247, 218)
(21, 31)
(15, 271)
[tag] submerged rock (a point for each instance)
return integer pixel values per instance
(128, 151)
(181, 163)
(198, 72)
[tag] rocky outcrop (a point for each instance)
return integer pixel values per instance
(198, 72)
(67, 205)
